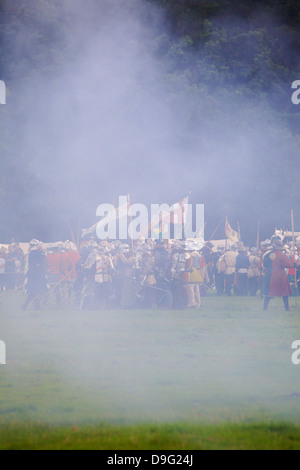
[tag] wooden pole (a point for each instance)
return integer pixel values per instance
(205, 244)
(215, 230)
(71, 233)
(202, 230)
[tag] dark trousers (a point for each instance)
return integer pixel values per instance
(219, 279)
(229, 278)
(252, 286)
(242, 283)
(285, 303)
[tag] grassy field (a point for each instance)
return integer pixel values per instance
(220, 377)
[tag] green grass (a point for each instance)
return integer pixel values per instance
(153, 437)
(216, 378)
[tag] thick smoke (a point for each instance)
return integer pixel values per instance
(98, 112)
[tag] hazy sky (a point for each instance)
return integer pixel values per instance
(98, 116)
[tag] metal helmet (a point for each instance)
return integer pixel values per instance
(34, 244)
(124, 248)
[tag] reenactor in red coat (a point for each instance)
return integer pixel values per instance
(276, 283)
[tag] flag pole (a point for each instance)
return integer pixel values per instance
(257, 239)
(215, 230)
(213, 233)
(202, 230)
(205, 244)
(294, 255)
(71, 233)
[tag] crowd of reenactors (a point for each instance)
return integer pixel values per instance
(148, 273)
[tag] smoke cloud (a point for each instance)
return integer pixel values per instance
(96, 110)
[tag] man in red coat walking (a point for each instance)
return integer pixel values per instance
(276, 281)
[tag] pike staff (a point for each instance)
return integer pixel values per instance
(56, 285)
(202, 230)
(213, 234)
(7, 294)
(205, 244)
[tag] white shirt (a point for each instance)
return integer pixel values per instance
(2, 265)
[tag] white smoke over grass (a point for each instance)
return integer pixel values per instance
(227, 362)
(104, 115)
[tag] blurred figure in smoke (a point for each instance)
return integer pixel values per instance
(253, 272)
(103, 276)
(195, 280)
(265, 246)
(226, 265)
(276, 283)
(66, 268)
(178, 266)
(53, 262)
(219, 276)
(161, 271)
(36, 285)
(207, 267)
(190, 292)
(125, 290)
(87, 264)
(80, 273)
(242, 264)
(292, 272)
(73, 259)
(143, 275)
(20, 265)
(207, 252)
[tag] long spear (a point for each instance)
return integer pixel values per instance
(215, 230)
(205, 244)
(56, 285)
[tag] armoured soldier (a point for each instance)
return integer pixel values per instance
(178, 268)
(253, 272)
(226, 265)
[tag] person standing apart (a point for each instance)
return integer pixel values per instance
(226, 265)
(276, 281)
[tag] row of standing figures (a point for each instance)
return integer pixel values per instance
(102, 281)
